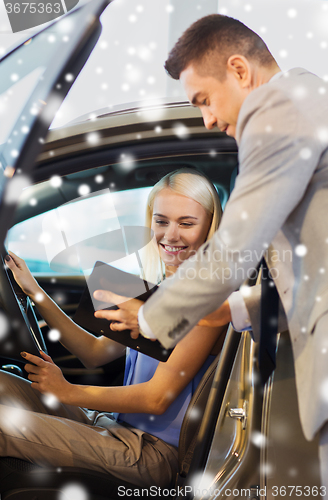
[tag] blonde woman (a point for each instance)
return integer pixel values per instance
(133, 430)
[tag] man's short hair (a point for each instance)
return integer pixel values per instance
(217, 35)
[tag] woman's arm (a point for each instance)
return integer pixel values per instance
(153, 397)
(92, 351)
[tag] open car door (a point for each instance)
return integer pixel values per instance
(34, 80)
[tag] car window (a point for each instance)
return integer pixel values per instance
(85, 225)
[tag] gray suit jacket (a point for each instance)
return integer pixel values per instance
(279, 205)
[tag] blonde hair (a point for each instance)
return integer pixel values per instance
(189, 183)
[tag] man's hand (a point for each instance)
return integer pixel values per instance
(46, 376)
(220, 317)
(126, 317)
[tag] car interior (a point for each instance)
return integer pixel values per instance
(122, 192)
(219, 436)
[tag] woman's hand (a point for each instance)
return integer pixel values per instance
(45, 376)
(126, 317)
(22, 275)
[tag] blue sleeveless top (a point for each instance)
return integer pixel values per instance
(140, 368)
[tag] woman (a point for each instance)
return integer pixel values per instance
(139, 441)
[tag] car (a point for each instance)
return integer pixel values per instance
(66, 187)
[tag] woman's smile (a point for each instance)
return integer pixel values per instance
(173, 250)
(180, 225)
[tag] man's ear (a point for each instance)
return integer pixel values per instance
(240, 68)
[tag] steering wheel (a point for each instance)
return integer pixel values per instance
(20, 331)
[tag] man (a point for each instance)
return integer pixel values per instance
(279, 204)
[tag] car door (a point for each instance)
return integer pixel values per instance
(34, 80)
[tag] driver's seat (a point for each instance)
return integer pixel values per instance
(21, 480)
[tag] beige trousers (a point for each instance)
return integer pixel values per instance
(33, 429)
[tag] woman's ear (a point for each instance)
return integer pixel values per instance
(240, 68)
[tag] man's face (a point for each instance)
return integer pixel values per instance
(219, 101)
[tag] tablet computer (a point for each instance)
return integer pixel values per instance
(106, 277)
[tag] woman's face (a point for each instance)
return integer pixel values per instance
(180, 225)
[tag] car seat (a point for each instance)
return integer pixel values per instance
(21, 480)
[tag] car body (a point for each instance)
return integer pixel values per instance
(94, 175)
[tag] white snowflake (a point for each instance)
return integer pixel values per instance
(133, 74)
(50, 400)
(258, 439)
(292, 13)
(300, 92)
(195, 413)
(127, 161)
(305, 153)
(322, 134)
(324, 390)
(93, 138)
(56, 181)
(15, 188)
(54, 335)
(39, 297)
(300, 250)
(99, 179)
(83, 189)
(169, 8)
(181, 130)
(283, 53)
(293, 472)
(4, 326)
(131, 51)
(144, 53)
(69, 77)
(248, 7)
(73, 491)
(245, 290)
